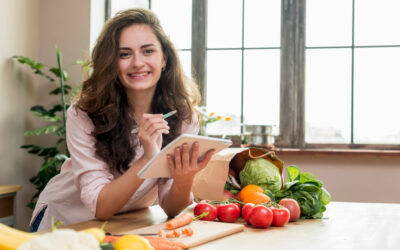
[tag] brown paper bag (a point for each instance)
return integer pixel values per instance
(209, 183)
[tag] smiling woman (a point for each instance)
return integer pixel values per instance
(136, 77)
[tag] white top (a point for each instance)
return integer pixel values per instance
(71, 196)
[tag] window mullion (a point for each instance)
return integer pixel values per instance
(292, 93)
(199, 55)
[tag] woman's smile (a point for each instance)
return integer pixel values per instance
(139, 75)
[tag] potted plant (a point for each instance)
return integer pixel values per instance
(53, 156)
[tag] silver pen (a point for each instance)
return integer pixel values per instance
(135, 130)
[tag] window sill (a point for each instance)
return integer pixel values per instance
(370, 152)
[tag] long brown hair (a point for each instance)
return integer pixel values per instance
(103, 96)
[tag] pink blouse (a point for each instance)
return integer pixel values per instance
(71, 196)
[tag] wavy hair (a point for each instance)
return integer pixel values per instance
(103, 96)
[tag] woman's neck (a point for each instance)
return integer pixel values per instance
(140, 103)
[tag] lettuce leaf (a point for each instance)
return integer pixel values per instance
(307, 190)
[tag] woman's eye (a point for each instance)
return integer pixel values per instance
(148, 51)
(124, 55)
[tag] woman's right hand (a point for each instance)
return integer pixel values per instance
(151, 129)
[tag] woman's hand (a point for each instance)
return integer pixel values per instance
(185, 164)
(151, 128)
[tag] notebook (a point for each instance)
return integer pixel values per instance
(158, 166)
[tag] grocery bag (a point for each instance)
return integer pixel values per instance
(226, 165)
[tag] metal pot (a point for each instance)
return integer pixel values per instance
(258, 135)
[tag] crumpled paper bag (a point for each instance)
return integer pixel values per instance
(209, 183)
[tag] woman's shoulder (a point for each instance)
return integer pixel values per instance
(78, 117)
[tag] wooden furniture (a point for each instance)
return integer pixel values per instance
(8, 203)
(345, 225)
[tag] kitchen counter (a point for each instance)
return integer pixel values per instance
(346, 225)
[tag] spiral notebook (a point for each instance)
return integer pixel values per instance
(158, 166)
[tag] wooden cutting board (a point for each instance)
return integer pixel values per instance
(204, 231)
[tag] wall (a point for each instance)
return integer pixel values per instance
(33, 28)
(357, 178)
(19, 32)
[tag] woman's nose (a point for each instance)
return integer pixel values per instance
(137, 61)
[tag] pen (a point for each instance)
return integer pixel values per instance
(135, 130)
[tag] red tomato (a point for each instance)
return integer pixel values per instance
(205, 207)
(227, 195)
(281, 216)
(261, 216)
(228, 212)
(293, 207)
(246, 211)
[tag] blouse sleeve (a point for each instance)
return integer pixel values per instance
(91, 174)
(165, 184)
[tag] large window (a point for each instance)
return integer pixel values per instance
(323, 72)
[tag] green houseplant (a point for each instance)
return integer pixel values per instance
(53, 156)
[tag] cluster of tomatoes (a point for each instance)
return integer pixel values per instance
(261, 215)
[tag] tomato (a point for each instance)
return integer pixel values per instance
(205, 207)
(227, 195)
(293, 207)
(281, 216)
(246, 211)
(228, 212)
(260, 216)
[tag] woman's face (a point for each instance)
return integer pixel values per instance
(141, 58)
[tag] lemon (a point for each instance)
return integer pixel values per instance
(98, 233)
(132, 242)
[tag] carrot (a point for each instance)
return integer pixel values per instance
(179, 221)
(170, 235)
(176, 233)
(161, 233)
(160, 243)
(111, 238)
(188, 231)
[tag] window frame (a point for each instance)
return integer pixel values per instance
(292, 74)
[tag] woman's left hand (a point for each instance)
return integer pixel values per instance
(185, 164)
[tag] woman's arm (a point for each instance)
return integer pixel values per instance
(183, 167)
(116, 194)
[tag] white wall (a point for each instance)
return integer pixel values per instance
(359, 178)
(33, 28)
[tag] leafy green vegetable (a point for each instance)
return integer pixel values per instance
(262, 173)
(307, 190)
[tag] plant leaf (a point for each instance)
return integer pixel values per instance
(44, 114)
(39, 131)
(57, 91)
(56, 72)
(292, 173)
(36, 66)
(85, 65)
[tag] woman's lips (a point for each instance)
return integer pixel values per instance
(140, 75)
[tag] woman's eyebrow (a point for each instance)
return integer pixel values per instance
(143, 46)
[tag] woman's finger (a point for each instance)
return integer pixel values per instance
(194, 155)
(171, 164)
(206, 158)
(177, 159)
(185, 157)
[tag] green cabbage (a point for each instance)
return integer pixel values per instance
(262, 173)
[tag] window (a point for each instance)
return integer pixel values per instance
(323, 79)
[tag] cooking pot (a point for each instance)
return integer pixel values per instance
(258, 135)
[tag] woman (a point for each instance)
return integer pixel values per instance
(136, 78)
